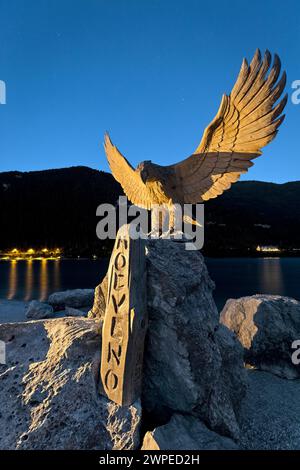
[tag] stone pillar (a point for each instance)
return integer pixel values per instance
(125, 320)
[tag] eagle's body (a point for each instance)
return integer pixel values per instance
(160, 182)
(247, 120)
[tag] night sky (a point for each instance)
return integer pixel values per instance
(151, 72)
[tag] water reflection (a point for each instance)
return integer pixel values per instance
(234, 277)
(13, 280)
(43, 281)
(28, 280)
(32, 279)
(271, 278)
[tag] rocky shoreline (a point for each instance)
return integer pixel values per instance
(210, 381)
(71, 303)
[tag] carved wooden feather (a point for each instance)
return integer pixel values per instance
(247, 120)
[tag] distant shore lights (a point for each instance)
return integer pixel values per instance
(32, 254)
(268, 248)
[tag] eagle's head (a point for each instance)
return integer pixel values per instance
(146, 170)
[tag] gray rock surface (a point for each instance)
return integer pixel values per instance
(270, 414)
(98, 310)
(48, 394)
(192, 365)
(266, 325)
(38, 310)
(185, 433)
(74, 312)
(75, 298)
(122, 424)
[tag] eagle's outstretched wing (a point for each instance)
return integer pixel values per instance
(247, 120)
(125, 174)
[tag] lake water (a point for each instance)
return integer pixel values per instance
(234, 277)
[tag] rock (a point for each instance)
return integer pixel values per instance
(270, 414)
(59, 314)
(233, 375)
(49, 390)
(37, 310)
(266, 325)
(75, 298)
(123, 425)
(74, 312)
(98, 310)
(192, 366)
(185, 433)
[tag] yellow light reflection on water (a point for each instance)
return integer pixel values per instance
(13, 280)
(43, 280)
(40, 277)
(28, 280)
(271, 279)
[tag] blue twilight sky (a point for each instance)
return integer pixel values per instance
(151, 72)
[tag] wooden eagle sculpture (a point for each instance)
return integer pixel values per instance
(247, 120)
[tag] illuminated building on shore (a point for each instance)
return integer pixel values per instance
(31, 254)
(268, 248)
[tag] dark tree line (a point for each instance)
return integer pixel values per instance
(57, 208)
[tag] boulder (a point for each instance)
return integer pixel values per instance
(98, 310)
(49, 395)
(266, 325)
(74, 312)
(185, 433)
(233, 374)
(75, 298)
(192, 365)
(122, 424)
(38, 310)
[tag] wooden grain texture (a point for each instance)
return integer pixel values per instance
(125, 320)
